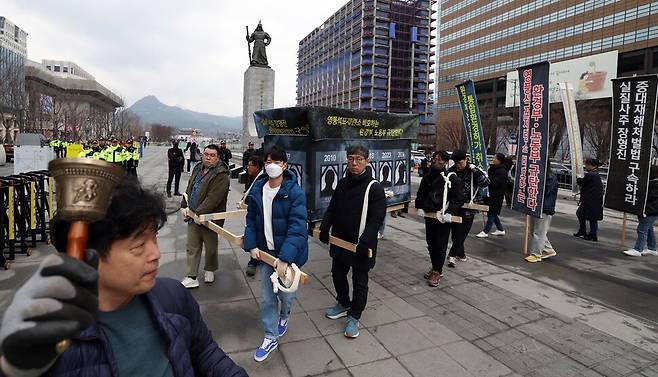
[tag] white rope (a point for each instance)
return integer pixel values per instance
(446, 187)
(290, 281)
(364, 209)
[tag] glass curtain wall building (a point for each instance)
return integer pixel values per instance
(372, 55)
(13, 52)
(482, 40)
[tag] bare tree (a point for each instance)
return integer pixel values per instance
(450, 136)
(595, 117)
(160, 132)
(126, 124)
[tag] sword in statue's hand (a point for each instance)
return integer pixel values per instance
(248, 44)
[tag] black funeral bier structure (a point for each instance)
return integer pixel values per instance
(316, 139)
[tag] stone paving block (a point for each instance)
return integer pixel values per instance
(337, 373)
(512, 360)
(313, 299)
(504, 338)
(434, 331)
(606, 371)
(364, 349)
(383, 368)
(474, 360)
(227, 322)
(325, 325)
(483, 345)
(564, 367)
(310, 357)
(376, 313)
(432, 363)
(300, 327)
(273, 366)
(401, 337)
(401, 307)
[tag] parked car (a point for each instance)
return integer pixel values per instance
(9, 152)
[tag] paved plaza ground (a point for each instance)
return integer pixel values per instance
(589, 311)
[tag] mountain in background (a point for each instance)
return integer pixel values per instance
(151, 110)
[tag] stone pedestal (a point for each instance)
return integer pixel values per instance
(258, 95)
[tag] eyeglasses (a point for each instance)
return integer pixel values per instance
(357, 159)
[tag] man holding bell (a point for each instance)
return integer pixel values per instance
(277, 225)
(110, 315)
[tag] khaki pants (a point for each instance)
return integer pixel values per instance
(197, 237)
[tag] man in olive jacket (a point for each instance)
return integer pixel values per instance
(207, 192)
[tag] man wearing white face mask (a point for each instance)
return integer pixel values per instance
(276, 224)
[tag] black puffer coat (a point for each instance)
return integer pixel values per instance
(591, 196)
(430, 193)
(344, 217)
(497, 186)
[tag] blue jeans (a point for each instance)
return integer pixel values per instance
(269, 303)
(645, 235)
(491, 220)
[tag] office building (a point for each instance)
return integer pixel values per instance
(13, 53)
(373, 55)
(63, 68)
(485, 40)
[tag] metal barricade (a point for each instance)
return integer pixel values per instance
(26, 209)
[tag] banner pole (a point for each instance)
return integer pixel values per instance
(623, 230)
(525, 233)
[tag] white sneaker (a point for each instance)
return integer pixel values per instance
(632, 253)
(498, 233)
(649, 252)
(188, 283)
(209, 276)
(482, 235)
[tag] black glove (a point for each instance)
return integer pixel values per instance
(56, 303)
(324, 237)
(361, 250)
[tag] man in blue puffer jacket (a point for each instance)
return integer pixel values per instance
(277, 225)
(71, 319)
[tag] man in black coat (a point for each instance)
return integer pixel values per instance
(176, 161)
(470, 175)
(247, 154)
(224, 153)
(591, 200)
(344, 218)
(430, 198)
(497, 186)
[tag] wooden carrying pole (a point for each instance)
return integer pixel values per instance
(623, 230)
(340, 242)
(237, 240)
(435, 215)
(525, 234)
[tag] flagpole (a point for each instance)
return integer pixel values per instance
(623, 230)
(525, 237)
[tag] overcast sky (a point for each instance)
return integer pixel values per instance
(189, 53)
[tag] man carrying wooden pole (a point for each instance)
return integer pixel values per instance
(276, 227)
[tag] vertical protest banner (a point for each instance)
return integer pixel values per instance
(532, 140)
(633, 119)
(573, 132)
(473, 125)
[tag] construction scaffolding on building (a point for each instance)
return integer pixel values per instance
(372, 55)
